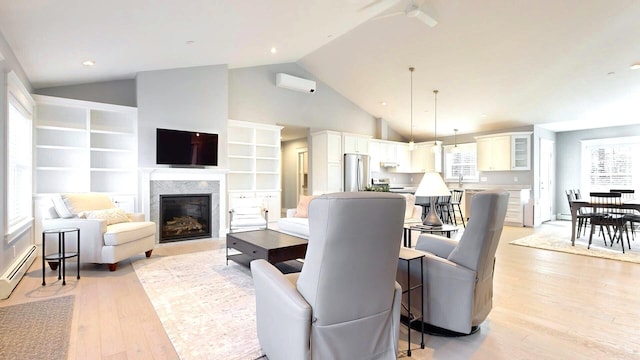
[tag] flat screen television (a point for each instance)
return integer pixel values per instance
(186, 148)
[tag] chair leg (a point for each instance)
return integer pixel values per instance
(461, 216)
(148, 253)
(113, 267)
(593, 229)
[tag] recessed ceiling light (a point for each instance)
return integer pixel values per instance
(274, 50)
(89, 62)
(383, 103)
(189, 42)
(635, 66)
(483, 115)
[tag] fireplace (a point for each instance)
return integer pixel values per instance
(184, 216)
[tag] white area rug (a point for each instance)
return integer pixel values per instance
(561, 241)
(206, 307)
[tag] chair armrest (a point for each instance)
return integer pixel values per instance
(86, 226)
(436, 266)
(283, 316)
(136, 217)
(436, 244)
(291, 213)
(417, 212)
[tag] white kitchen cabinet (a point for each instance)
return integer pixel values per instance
(355, 144)
(374, 155)
(494, 153)
(424, 158)
(504, 152)
(520, 152)
(388, 152)
(403, 158)
(326, 162)
(83, 146)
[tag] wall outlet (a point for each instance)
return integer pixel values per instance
(483, 179)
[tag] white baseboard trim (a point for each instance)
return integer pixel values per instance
(18, 268)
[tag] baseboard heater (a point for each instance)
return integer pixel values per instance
(12, 277)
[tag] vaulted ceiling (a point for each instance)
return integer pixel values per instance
(496, 63)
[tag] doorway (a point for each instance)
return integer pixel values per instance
(547, 175)
(302, 171)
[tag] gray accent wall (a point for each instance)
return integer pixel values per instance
(192, 99)
(254, 97)
(118, 92)
(569, 155)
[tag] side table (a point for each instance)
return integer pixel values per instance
(445, 229)
(409, 256)
(61, 255)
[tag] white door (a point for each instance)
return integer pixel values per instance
(546, 179)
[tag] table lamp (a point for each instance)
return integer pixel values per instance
(432, 186)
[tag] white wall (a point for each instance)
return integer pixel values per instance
(194, 99)
(254, 97)
(118, 92)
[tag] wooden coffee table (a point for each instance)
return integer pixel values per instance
(273, 246)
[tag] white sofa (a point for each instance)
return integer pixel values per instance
(107, 234)
(299, 226)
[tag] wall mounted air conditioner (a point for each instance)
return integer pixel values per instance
(295, 83)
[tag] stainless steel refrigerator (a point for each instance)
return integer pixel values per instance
(356, 172)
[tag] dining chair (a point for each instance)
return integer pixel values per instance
(456, 199)
(443, 208)
(605, 205)
(582, 216)
(631, 215)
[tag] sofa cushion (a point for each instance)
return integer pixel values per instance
(79, 202)
(302, 211)
(125, 232)
(112, 216)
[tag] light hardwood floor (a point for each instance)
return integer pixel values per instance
(547, 305)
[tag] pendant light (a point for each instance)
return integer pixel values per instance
(455, 141)
(436, 147)
(411, 143)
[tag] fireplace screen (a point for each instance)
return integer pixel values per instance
(184, 217)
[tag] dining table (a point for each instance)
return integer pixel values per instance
(576, 205)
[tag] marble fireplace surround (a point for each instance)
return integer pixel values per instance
(171, 181)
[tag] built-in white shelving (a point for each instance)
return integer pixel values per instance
(85, 146)
(254, 164)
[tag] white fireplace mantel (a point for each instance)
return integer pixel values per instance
(177, 174)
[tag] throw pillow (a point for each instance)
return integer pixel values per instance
(112, 216)
(61, 207)
(302, 211)
(79, 202)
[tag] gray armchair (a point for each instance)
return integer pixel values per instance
(458, 275)
(345, 304)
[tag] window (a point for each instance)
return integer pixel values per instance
(460, 162)
(19, 157)
(610, 163)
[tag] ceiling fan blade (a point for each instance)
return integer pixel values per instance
(378, 3)
(422, 16)
(388, 15)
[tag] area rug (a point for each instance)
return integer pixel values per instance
(36, 330)
(206, 307)
(562, 242)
